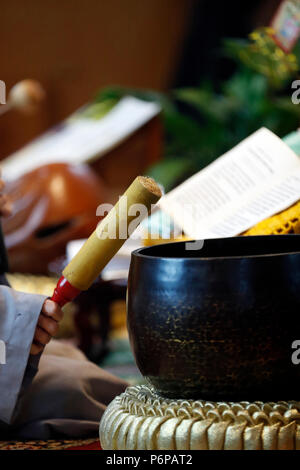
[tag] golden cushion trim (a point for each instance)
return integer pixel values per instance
(141, 419)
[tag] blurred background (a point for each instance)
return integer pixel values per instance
(215, 72)
(75, 48)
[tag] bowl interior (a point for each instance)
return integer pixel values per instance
(236, 247)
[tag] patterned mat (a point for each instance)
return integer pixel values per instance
(79, 444)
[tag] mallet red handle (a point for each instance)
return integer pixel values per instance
(64, 292)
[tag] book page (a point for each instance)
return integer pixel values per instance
(256, 179)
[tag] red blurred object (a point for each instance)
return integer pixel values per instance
(52, 205)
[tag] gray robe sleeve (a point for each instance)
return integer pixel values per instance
(19, 314)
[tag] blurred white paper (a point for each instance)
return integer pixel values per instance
(81, 139)
(256, 179)
(118, 267)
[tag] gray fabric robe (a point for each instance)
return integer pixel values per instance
(61, 393)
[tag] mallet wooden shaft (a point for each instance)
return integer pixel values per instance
(107, 239)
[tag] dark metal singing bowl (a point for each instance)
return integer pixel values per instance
(218, 323)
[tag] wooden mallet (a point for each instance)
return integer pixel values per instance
(98, 250)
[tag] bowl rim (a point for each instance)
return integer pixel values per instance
(140, 252)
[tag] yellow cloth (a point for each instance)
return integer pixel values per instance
(287, 221)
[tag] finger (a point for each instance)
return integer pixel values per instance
(48, 324)
(5, 202)
(7, 209)
(3, 199)
(52, 309)
(2, 184)
(41, 336)
(36, 349)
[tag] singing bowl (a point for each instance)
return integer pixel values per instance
(217, 323)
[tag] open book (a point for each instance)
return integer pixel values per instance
(255, 180)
